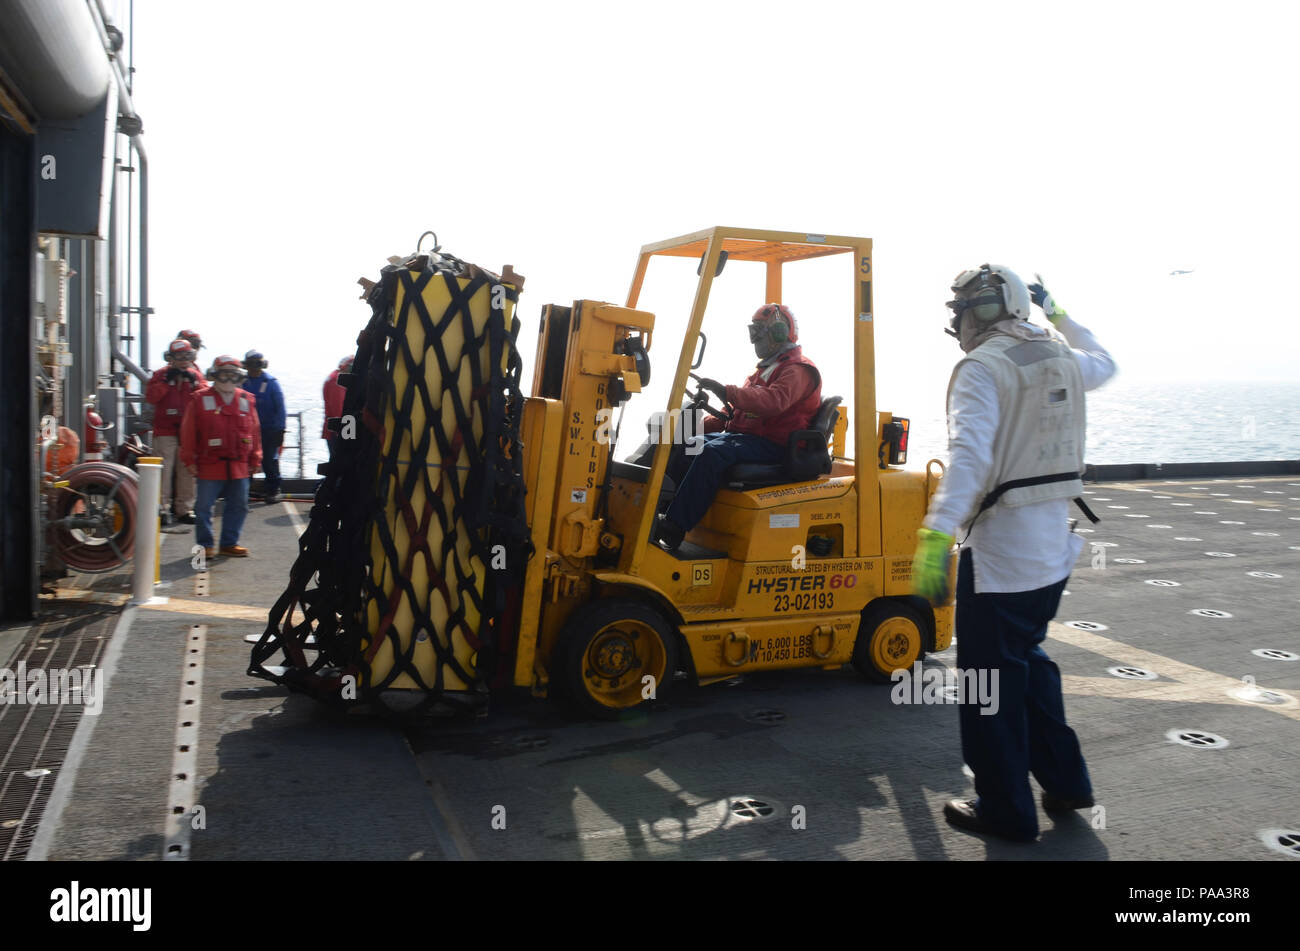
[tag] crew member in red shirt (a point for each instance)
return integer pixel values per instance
(221, 443)
(334, 394)
(781, 396)
(169, 391)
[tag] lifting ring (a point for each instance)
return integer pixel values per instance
(436, 246)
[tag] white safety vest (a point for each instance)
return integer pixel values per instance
(1038, 449)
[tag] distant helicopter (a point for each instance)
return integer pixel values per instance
(1172, 273)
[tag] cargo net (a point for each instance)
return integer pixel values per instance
(406, 589)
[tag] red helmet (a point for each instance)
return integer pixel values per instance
(179, 349)
(226, 362)
(193, 337)
(346, 362)
(783, 326)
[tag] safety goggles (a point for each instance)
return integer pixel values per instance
(184, 357)
(758, 331)
(227, 376)
(962, 282)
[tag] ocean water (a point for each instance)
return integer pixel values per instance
(1129, 421)
(1158, 422)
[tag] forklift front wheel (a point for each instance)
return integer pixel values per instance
(614, 654)
(891, 637)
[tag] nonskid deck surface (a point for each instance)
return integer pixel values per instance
(1192, 738)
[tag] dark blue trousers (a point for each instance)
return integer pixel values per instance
(699, 476)
(1028, 734)
(271, 439)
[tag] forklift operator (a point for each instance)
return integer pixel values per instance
(780, 397)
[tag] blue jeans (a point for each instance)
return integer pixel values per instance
(271, 439)
(1028, 733)
(232, 522)
(703, 472)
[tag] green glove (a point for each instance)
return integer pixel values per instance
(931, 565)
(1041, 296)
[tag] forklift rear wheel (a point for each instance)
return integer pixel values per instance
(891, 637)
(608, 650)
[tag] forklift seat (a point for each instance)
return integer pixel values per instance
(807, 454)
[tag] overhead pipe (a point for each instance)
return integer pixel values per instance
(131, 126)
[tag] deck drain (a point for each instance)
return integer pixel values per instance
(751, 809)
(765, 716)
(1086, 626)
(1209, 612)
(1263, 574)
(1128, 561)
(1132, 673)
(532, 741)
(1198, 739)
(1185, 538)
(1221, 554)
(1275, 653)
(1265, 534)
(1163, 583)
(1286, 841)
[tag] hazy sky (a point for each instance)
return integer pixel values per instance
(294, 146)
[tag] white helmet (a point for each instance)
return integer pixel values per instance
(990, 293)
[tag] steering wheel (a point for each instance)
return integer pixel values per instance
(700, 400)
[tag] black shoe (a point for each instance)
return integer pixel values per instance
(168, 519)
(666, 534)
(961, 813)
(188, 518)
(1056, 804)
(273, 498)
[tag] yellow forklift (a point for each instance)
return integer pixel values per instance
(806, 563)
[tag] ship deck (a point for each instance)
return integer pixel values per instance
(1192, 739)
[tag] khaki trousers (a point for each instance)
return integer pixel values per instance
(169, 447)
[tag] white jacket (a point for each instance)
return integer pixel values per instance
(1014, 548)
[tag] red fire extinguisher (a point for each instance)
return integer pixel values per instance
(95, 443)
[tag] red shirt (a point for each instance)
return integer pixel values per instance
(170, 399)
(223, 440)
(333, 401)
(776, 400)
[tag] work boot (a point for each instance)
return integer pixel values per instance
(1060, 804)
(234, 551)
(187, 519)
(209, 553)
(667, 535)
(168, 519)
